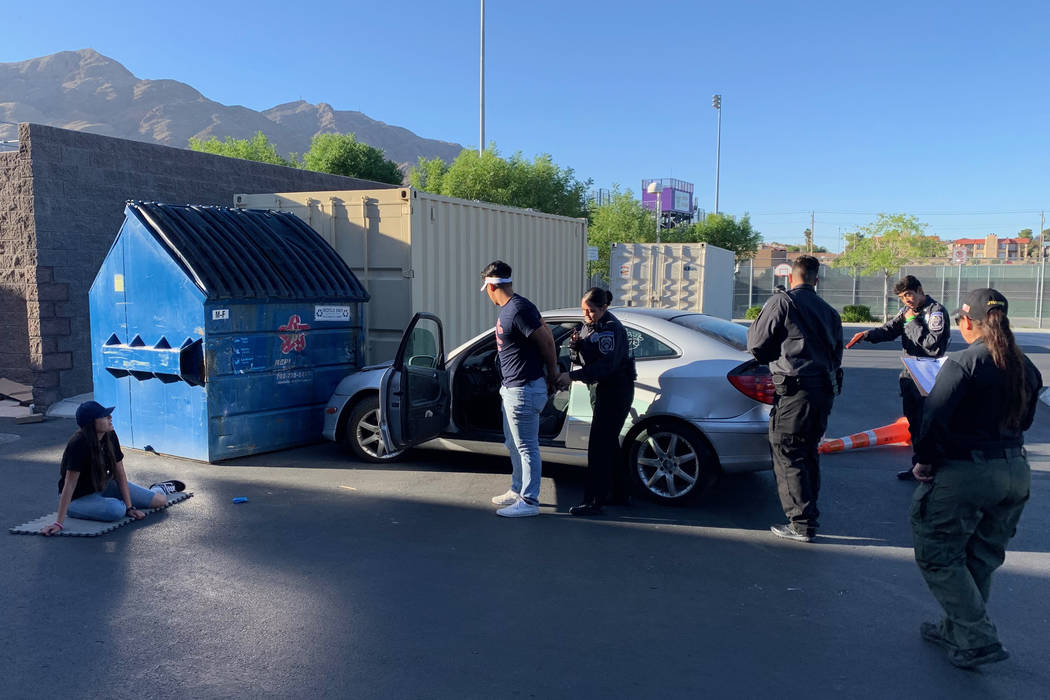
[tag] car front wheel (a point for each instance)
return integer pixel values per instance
(671, 463)
(362, 435)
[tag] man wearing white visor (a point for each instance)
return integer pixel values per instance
(525, 346)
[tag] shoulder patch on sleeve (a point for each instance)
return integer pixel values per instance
(936, 321)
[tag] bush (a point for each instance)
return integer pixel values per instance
(752, 312)
(856, 313)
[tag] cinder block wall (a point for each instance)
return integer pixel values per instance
(17, 260)
(79, 183)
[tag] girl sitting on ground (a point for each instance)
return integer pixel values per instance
(92, 483)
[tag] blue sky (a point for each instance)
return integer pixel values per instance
(939, 109)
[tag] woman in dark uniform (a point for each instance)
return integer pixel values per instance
(608, 369)
(975, 475)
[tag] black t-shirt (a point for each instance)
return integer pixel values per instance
(77, 458)
(519, 360)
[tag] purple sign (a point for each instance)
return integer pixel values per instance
(677, 196)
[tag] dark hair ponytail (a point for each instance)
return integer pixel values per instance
(597, 297)
(1008, 357)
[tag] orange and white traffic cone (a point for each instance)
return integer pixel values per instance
(894, 433)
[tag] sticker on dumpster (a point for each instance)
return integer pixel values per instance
(331, 313)
(625, 270)
(118, 283)
(248, 353)
(220, 315)
(293, 341)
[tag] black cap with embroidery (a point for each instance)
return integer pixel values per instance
(979, 302)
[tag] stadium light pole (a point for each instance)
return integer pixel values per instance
(656, 187)
(716, 102)
(481, 137)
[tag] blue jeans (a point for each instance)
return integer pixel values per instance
(521, 431)
(107, 504)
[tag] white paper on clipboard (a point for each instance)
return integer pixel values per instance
(923, 371)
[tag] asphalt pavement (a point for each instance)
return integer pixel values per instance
(347, 580)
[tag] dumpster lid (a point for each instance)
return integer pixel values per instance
(251, 253)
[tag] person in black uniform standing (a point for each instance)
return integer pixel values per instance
(922, 325)
(800, 337)
(975, 476)
(608, 370)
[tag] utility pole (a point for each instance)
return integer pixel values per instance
(1042, 265)
(481, 137)
(716, 102)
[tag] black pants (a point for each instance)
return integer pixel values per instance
(796, 425)
(610, 403)
(913, 400)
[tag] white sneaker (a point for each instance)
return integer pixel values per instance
(506, 499)
(520, 509)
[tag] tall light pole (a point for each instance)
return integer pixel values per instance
(481, 136)
(716, 102)
(656, 187)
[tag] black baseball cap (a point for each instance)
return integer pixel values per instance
(88, 411)
(979, 302)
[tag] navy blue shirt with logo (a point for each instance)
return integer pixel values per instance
(519, 359)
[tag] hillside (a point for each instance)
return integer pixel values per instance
(86, 91)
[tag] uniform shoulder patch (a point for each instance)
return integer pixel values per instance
(936, 321)
(606, 342)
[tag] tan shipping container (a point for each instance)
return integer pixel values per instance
(685, 276)
(416, 251)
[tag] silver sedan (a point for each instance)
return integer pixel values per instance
(701, 402)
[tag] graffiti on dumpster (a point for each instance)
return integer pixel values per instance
(293, 340)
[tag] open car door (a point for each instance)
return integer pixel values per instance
(414, 398)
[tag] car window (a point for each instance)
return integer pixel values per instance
(732, 334)
(421, 349)
(645, 347)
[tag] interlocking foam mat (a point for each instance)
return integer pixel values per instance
(75, 527)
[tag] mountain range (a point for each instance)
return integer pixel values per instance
(86, 91)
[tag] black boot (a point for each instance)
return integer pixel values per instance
(588, 508)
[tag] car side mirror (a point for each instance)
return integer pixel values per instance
(421, 361)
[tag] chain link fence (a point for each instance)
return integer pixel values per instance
(1023, 285)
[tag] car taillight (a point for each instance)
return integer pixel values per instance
(754, 381)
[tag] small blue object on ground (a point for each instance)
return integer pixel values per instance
(240, 499)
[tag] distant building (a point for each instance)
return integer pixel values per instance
(773, 254)
(990, 247)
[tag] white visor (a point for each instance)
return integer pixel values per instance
(495, 280)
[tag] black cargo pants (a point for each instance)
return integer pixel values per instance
(606, 473)
(796, 424)
(912, 400)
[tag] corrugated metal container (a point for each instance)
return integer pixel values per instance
(219, 332)
(686, 276)
(416, 251)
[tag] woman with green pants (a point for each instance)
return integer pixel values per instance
(975, 477)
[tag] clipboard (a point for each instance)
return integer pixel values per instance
(923, 371)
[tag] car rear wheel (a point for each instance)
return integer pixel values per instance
(671, 463)
(362, 435)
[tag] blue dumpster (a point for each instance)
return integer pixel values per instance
(219, 332)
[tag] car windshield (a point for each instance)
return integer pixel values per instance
(732, 334)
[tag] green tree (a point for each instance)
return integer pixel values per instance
(518, 182)
(886, 244)
(256, 148)
(720, 230)
(343, 154)
(622, 219)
